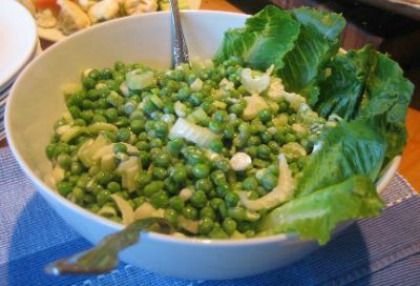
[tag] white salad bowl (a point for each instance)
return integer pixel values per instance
(36, 101)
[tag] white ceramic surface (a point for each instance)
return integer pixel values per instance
(18, 38)
(36, 101)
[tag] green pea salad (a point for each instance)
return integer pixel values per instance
(281, 132)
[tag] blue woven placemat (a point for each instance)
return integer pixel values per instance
(378, 251)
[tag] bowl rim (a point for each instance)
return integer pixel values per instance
(29, 51)
(386, 175)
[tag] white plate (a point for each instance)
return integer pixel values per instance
(55, 35)
(18, 37)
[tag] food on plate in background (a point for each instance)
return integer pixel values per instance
(69, 16)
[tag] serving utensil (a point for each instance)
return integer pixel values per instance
(179, 46)
(104, 257)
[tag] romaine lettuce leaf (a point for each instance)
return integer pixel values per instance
(265, 39)
(388, 95)
(315, 216)
(354, 148)
(341, 91)
(318, 41)
(366, 84)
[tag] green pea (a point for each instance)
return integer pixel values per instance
(64, 188)
(231, 199)
(269, 181)
(237, 108)
(78, 193)
(222, 189)
(87, 115)
(75, 111)
(174, 146)
(218, 177)
(64, 160)
(264, 151)
(250, 183)
(50, 151)
(79, 122)
(216, 126)
(179, 174)
(138, 201)
(220, 115)
(228, 131)
(201, 171)
(162, 159)
(98, 118)
(171, 216)
(149, 107)
(105, 73)
(254, 141)
(159, 173)
(190, 212)
(76, 168)
(290, 138)
(223, 165)
(77, 98)
(142, 145)
(265, 115)
(155, 142)
(207, 211)
(218, 233)
(94, 94)
(237, 213)
(88, 83)
(103, 197)
(216, 146)
(198, 199)
(143, 179)
(113, 187)
(266, 136)
(204, 185)
(177, 203)
(144, 158)
(123, 134)
(153, 187)
(159, 199)
(161, 129)
(104, 177)
(137, 126)
(205, 225)
(229, 225)
(119, 148)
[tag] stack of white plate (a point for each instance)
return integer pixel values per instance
(19, 45)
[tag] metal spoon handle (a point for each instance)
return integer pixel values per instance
(179, 46)
(104, 257)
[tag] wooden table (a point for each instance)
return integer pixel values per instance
(410, 165)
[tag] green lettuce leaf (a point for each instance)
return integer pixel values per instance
(342, 90)
(265, 39)
(354, 148)
(366, 84)
(318, 41)
(388, 95)
(315, 216)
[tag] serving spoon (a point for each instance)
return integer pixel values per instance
(179, 46)
(104, 257)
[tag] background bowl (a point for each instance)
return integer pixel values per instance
(36, 101)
